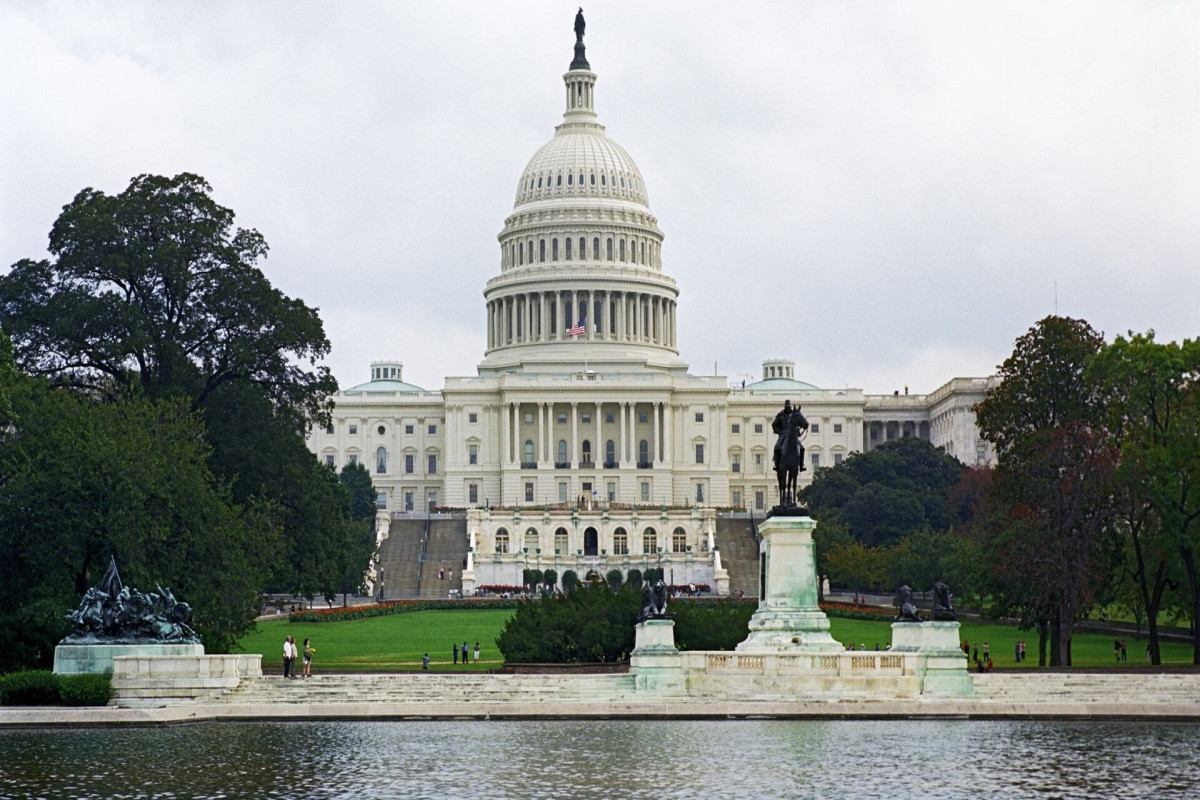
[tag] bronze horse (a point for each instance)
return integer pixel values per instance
(789, 466)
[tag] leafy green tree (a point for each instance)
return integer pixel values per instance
(1053, 478)
(634, 579)
(916, 561)
(857, 566)
(831, 533)
(8, 379)
(550, 578)
(615, 579)
(591, 623)
(357, 480)
(570, 581)
(712, 625)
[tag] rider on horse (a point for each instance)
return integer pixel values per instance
(780, 427)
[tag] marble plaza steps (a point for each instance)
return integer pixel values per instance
(447, 548)
(739, 554)
(1087, 687)
(434, 687)
(399, 558)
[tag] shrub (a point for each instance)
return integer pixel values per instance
(35, 687)
(615, 579)
(85, 690)
(711, 625)
(634, 579)
(570, 580)
(536, 576)
(550, 578)
(652, 575)
(591, 624)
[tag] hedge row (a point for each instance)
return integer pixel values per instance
(44, 688)
(396, 607)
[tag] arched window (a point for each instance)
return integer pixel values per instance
(582, 249)
(610, 452)
(587, 451)
(622, 181)
(541, 249)
(608, 248)
(501, 540)
(570, 180)
(560, 542)
(622, 249)
(649, 541)
(596, 248)
(531, 540)
(643, 252)
(568, 242)
(539, 183)
(559, 181)
(581, 179)
(381, 461)
(644, 452)
(602, 182)
(554, 249)
(562, 451)
(678, 540)
(528, 452)
(593, 177)
(520, 252)
(620, 542)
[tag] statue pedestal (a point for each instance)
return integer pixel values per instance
(788, 618)
(74, 659)
(655, 663)
(943, 668)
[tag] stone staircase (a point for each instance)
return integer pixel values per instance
(447, 548)
(399, 558)
(434, 687)
(1086, 687)
(739, 554)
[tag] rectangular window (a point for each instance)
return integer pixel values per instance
(408, 501)
(758, 459)
(645, 491)
(612, 492)
(562, 492)
(586, 417)
(329, 460)
(408, 463)
(758, 427)
(837, 459)
(353, 430)
(837, 427)
(528, 419)
(433, 465)
(381, 500)
(699, 416)
(699, 492)
(609, 418)
(737, 499)
(643, 417)
(329, 430)
(815, 427)
(758, 500)
(737, 428)
(473, 493)
(432, 430)
(562, 418)
(736, 462)
(408, 429)
(528, 492)
(816, 461)
(352, 460)
(472, 454)
(472, 418)
(699, 454)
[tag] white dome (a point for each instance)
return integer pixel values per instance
(584, 164)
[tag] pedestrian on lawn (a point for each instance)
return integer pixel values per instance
(477, 652)
(464, 653)
(425, 662)
(309, 650)
(454, 652)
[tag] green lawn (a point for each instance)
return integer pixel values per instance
(398, 641)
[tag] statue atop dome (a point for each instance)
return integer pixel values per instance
(580, 61)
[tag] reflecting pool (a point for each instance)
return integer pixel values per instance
(612, 758)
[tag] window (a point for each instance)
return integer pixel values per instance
(408, 429)
(408, 463)
(837, 427)
(582, 248)
(737, 499)
(699, 416)
(609, 418)
(560, 538)
(558, 182)
(758, 500)
(528, 459)
(471, 418)
(758, 460)
(679, 541)
(649, 541)
(643, 417)
(735, 461)
(815, 427)
(585, 418)
(645, 491)
(501, 540)
(562, 491)
(699, 453)
(568, 242)
(352, 460)
(587, 451)
(815, 458)
(529, 418)
(837, 459)
(432, 430)
(608, 254)
(472, 454)
(620, 542)
(408, 501)
(329, 430)
(541, 249)
(528, 491)
(562, 452)
(737, 428)
(381, 461)
(570, 180)
(758, 427)
(554, 249)
(473, 493)
(596, 248)
(593, 179)
(330, 460)
(643, 452)
(381, 430)
(432, 464)
(699, 492)
(612, 492)
(353, 430)
(622, 249)
(610, 452)
(381, 500)
(562, 418)
(520, 252)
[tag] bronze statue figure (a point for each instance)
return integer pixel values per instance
(580, 25)
(112, 612)
(943, 610)
(908, 611)
(788, 461)
(654, 602)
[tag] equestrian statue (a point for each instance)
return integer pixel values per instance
(789, 425)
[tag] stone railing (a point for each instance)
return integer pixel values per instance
(849, 663)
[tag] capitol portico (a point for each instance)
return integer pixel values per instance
(581, 400)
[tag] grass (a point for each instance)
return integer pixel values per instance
(398, 641)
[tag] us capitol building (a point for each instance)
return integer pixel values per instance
(583, 437)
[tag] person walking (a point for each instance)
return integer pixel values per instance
(464, 653)
(309, 650)
(287, 657)
(477, 652)
(1116, 649)
(425, 662)
(1124, 651)
(454, 652)
(441, 573)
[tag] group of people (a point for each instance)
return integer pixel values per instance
(983, 663)
(455, 651)
(1121, 651)
(863, 646)
(291, 653)
(445, 574)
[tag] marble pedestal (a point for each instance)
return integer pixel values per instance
(788, 618)
(655, 663)
(72, 659)
(943, 665)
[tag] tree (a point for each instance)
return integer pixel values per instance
(357, 480)
(154, 290)
(827, 536)
(1052, 479)
(856, 566)
(8, 379)
(1150, 392)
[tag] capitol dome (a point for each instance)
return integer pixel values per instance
(578, 164)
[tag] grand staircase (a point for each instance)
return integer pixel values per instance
(447, 548)
(1086, 687)
(739, 554)
(399, 558)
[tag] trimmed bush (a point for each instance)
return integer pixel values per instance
(634, 579)
(711, 624)
(615, 579)
(570, 580)
(85, 690)
(550, 578)
(35, 687)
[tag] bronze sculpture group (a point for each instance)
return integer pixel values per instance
(113, 613)
(942, 610)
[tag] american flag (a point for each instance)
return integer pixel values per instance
(579, 328)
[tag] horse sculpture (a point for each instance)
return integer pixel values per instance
(791, 454)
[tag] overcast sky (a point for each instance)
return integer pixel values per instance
(886, 193)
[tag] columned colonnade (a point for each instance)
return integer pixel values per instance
(623, 431)
(533, 317)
